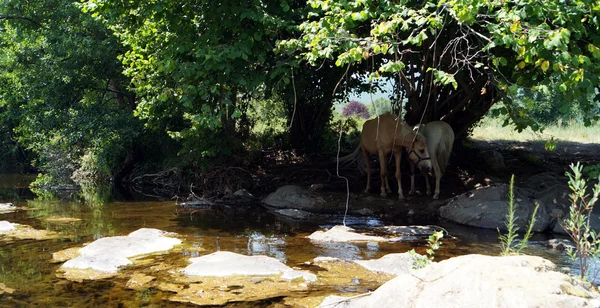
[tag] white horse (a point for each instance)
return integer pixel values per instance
(440, 138)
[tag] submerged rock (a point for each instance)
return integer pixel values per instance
(479, 281)
(139, 281)
(23, 232)
(225, 263)
(109, 253)
(5, 289)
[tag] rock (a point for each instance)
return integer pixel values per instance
(493, 159)
(393, 264)
(225, 263)
(243, 194)
(5, 289)
(316, 187)
(423, 231)
(197, 204)
(109, 253)
(560, 244)
(294, 213)
(139, 281)
(479, 281)
(7, 208)
(487, 208)
(543, 181)
(364, 211)
(344, 234)
(6, 226)
(294, 197)
(17, 231)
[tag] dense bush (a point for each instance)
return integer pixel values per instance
(354, 108)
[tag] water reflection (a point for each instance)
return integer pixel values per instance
(272, 246)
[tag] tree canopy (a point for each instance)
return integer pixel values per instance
(114, 87)
(453, 60)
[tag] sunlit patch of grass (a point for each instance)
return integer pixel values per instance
(492, 129)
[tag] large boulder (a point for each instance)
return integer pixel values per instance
(295, 197)
(487, 208)
(479, 281)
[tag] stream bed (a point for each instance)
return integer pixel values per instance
(32, 278)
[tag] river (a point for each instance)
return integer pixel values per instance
(79, 218)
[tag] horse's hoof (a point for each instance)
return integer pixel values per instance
(383, 195)
(401, 198)
(435, 197)
(412, 192)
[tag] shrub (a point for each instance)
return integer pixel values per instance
(509, 247)
(577, 225)
(354, 108)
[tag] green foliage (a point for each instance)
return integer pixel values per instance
(587, 240)
(379, 106)
(433, 244)
(509, 247)
(497, 48)
(60, 92)
(268, 120)
(592, 171)
(196, 66)
(350, 129)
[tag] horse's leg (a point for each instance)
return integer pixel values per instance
(368, 165)
(387, 182)
(438, 176)
(383, 174)
(412, 179)
(427, 184)
(398, 157)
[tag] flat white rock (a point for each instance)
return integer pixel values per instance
(342, 234)
(225, 263)
(394, 264)
(7, 207)
(109, 253)
(479, 281)
(6, 226)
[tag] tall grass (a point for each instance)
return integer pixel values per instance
(492, 129)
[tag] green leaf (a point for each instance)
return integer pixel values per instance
(545, 65)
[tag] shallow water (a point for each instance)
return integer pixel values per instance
(25, 265)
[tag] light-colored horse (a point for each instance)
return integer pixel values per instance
(440, 138)
(386, 134)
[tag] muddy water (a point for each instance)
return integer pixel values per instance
(25, 265)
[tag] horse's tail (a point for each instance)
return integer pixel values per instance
(350, 158)
(445, 148)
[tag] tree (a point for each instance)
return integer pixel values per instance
(453, 60)
(62, 91)
(380, 106)
(354, 108)
(196, 66)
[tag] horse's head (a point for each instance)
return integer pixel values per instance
(419, 154)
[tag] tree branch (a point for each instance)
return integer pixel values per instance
(30, 20)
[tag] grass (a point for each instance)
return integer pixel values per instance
(492, 129)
